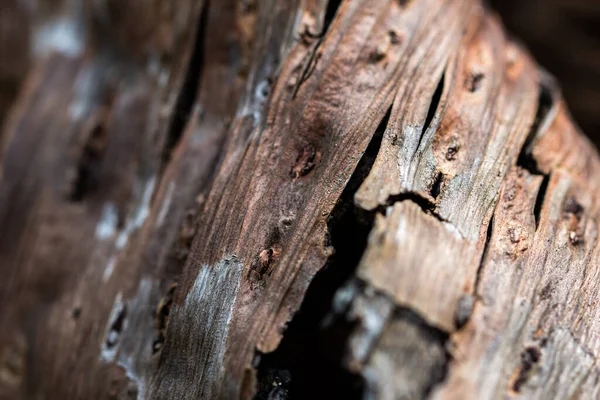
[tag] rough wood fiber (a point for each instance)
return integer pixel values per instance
(171, 184)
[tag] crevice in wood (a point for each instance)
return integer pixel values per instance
(539, 200)
(116, 327)
(425, 203)
(484, 254)
(437, 186)
(546, 103)
(309, 67)
(308, 362)
(433, 106)
(180, 247)
(88, 167)
(332, 7)
(189, 90)
(308, 39)
(161, 318)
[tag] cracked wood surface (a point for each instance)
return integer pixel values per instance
(168, 195)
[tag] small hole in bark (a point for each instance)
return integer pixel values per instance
(474, 81)
(263, 265)
(161, 318)
(76, 313)
(263, 89)
(305, 161)
(116, 327)
(529, 358)
(547, 291)
(377, 54)
(88, 168)
(437, 185)
(573, 207)
(394, 37)
(404, 3)
(451, 152)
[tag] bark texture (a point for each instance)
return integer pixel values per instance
(291, 199)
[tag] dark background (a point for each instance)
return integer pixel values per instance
(564, 37)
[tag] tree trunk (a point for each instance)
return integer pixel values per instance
(294, 199)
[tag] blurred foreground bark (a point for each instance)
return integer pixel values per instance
(294, 199)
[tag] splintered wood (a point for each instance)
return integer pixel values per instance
(169, 192)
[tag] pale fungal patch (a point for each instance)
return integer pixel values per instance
(452, 229)
(372, 312)
(207, 311)
(108, 353)
(411, 135)
(77, 110)
(110, 267)
(164, 209)
(163, 77)
(123, 346)
(85, 88)
(401, 231)
(343, 297)
(341, 301)
(107, 226)
(223, 278)
(153, 66)
(136, 340)
(61, 35)
(139, 216)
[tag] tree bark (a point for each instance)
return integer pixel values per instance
(294, 199)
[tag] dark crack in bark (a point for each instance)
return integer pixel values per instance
(309, 360)
(189, 90)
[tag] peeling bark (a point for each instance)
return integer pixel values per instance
(295, 199)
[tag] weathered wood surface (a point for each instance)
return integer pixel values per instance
(171, 185)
